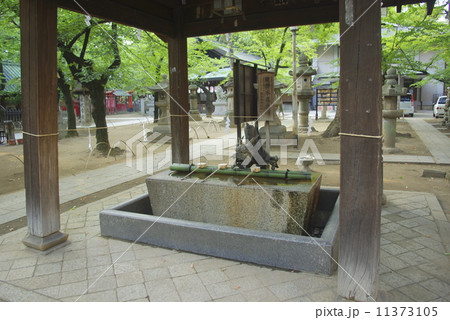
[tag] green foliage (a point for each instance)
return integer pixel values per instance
(411, 34)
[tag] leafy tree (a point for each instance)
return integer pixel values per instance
(412, 32)
(9, 42)
(91, 50)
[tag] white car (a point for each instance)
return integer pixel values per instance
(438, 109)
(407, 104)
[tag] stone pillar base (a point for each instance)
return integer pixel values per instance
(194, 115)
(44, 243)
(163, 129)
(389, 150)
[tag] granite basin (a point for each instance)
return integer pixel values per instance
(133, 220)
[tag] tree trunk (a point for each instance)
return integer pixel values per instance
(334, 127)
(71, 119)
(97, 92)
(209, 103)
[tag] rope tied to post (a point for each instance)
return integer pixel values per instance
(360, 135)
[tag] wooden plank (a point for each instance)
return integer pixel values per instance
(361, 166)
(155, 18)
(179, 101)
(39, 105)
(263, 20)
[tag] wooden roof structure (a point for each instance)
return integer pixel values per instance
(201, 17)
(174, 21)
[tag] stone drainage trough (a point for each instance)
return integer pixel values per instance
(272, 243)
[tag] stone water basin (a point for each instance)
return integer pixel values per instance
(244, 223)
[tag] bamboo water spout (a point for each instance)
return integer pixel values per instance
(265, 173)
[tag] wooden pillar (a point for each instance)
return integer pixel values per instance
(179, 101)
(361, 165)
(40, 123)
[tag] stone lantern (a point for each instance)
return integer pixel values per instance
(194, 115)
(391, 90)
(304, 91)
(229, 86)
(162, 101)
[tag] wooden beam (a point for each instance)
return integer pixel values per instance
(40, 126)
(361, 158)
(263, 20)
(145, 18)
(179, 100)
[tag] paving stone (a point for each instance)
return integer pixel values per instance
(129, 278)
(50, 268)
(151, 263)
(181, 269)
(305, 298)
(74, 276)
(395, 280)
(269, 277)
(241, 270)
(183, 257)
(409, 223)
(75, 254)
(212, 276)
(213, 263)
(287, 290)
(22, 263)
(410, 244)
(393, 249)
(126, 266)
(38, 282)
(99, 260)
(393, 237)
(21, 273)
(162, 290)
(321, 296)
(260, 295)
(100, 271)
(97, 251)
(435, 271)
(190, 288)
(102, 284)
(247, 283)
(234, 298)
(103, 296)
(123, 256)
(3, 275)
(72, 289)
(118, 245)
(74, 264)
(397, 296)
(441, 288)
(52, 292)
(392, 262)
(221, 289)
(151, 252)
(436, 257)
(430, 243)
(415, 274)
(393, 217)
(411, 258)
(418, 293)
(136, 291)
(55, 256)
(156, 274)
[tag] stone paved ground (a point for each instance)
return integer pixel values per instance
(414, 265)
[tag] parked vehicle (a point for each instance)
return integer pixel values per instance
(438, 109)
(407, 104)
